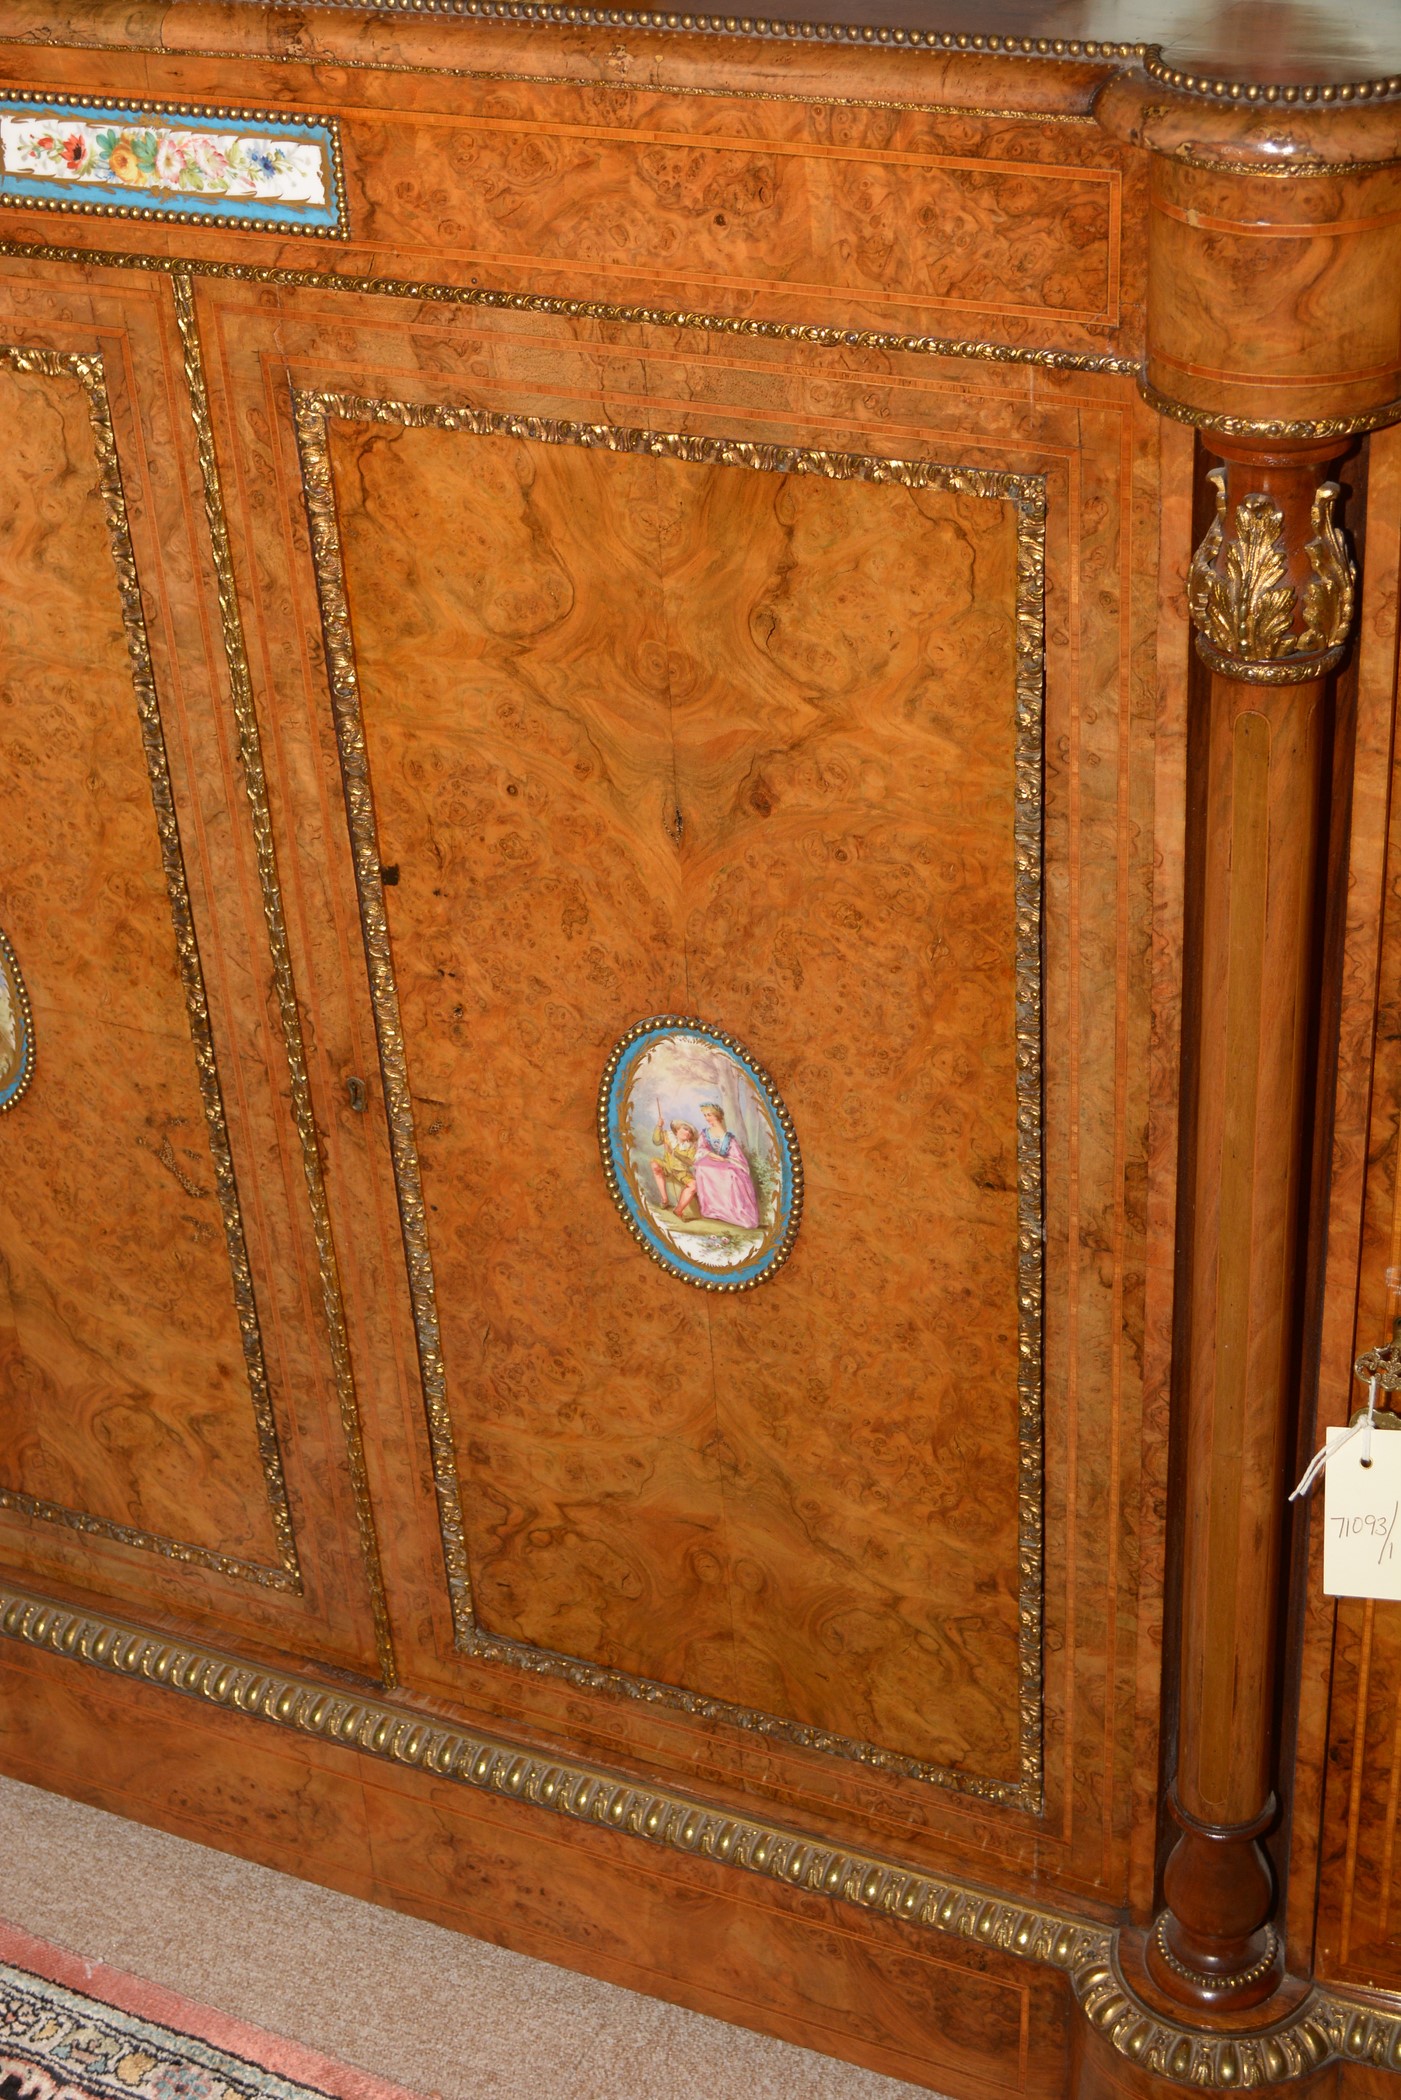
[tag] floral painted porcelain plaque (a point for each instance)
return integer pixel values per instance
(16, 1030)
(700, 1153)
(149, 160)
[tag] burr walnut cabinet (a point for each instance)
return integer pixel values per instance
(826, 584)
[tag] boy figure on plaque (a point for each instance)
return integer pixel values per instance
(674, 1172)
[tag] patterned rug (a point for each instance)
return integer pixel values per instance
(119, 2038)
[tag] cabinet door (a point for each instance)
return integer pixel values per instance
(615, 681)
(177, 1418)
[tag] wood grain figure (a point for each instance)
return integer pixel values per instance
(126, 1386)
(662, 771)
(722, 528)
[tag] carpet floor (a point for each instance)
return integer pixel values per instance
(391, 1996)
(80, 2030)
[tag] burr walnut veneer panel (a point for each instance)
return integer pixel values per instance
(129, 1395)
(658, 736)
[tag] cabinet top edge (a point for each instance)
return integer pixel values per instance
(1233, 51)
(1260, 54)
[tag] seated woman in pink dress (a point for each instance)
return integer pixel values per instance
(720, 1180)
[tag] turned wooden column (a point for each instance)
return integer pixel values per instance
(1271, 599)
(1274, 246)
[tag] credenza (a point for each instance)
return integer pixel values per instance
(700, 997)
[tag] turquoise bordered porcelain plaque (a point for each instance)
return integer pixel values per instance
(157, 160)
(700, 1153)
(16, 1030)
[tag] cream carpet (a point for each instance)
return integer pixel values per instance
(428, 2008)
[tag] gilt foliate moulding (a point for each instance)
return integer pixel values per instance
(1328, 2026)
(431, 293)
(1026, 494)
(1308, 429)
(1251, 623)
(558, 1782)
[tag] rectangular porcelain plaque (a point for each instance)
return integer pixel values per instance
(151, 160)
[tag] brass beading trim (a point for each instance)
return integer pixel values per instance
(794, 96)
(1027, 494)
(1299, 170)
(1211, 1979)
(250, 753)
(566, 14)
(88, 371)
(1211, 87)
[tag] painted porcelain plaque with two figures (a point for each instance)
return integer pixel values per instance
(700, 1153)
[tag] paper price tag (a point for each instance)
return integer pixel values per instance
(1362, 1518)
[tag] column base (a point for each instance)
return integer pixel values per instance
(1214, 1948)
(1234, 1986)
(1132, 2041)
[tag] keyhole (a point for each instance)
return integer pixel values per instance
(359, 1099)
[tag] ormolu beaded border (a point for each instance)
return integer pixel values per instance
(138, 106)
(87, 370)
(1027, 494)
(1287, 670)
(564, 14)
(352, 64)
(1209, 1980)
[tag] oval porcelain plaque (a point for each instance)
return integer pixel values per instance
(16, 1030)
(700, 1153)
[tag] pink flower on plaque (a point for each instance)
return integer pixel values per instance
(170, 159)
(209, 158)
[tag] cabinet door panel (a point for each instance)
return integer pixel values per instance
(660, 735)
(134, 1387)
(526, 596)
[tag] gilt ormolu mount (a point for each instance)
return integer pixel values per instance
(883, 535)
